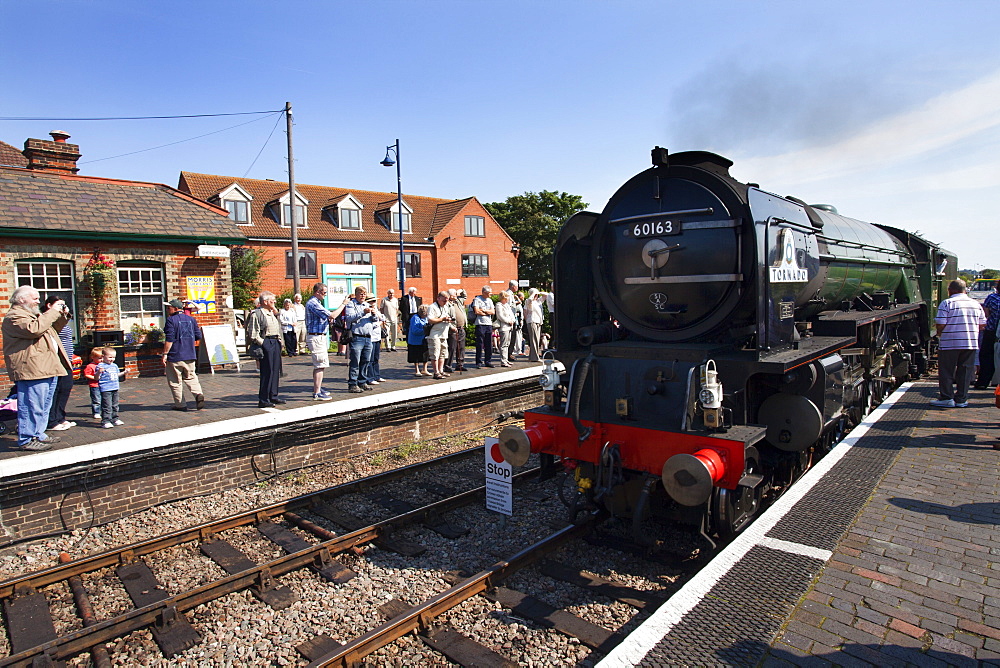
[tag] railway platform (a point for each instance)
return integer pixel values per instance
(887, 553)
(230, 394)
(95, 475)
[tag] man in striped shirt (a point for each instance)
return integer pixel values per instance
(959, 320)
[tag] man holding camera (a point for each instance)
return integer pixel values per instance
(361, 319)
(34, 358)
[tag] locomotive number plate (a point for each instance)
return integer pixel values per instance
(654, 228)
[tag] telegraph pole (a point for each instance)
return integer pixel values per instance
(293, 222)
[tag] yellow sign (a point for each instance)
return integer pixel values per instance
(201, 290)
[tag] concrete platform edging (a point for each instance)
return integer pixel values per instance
(266, 420)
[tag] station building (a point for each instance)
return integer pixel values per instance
(134, 244)
(348, 237)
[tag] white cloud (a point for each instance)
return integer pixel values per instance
(892, 143)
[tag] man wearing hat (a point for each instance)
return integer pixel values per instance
(180, 354)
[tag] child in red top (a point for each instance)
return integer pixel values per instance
(90, 373)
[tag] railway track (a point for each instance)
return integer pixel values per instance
(285, 552)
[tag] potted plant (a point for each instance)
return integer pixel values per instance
(99, 274)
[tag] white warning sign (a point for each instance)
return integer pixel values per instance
(499, 479)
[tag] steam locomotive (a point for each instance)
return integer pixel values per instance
(712, 340)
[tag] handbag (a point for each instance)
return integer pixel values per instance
(427, 329)
(255, 351)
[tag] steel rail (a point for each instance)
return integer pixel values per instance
(83, 639)
(419, 617)
(58, 573)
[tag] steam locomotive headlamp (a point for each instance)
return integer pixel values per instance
(689, 479)
(517, 444)
(549, 380)
(710, 395)
(551, 369)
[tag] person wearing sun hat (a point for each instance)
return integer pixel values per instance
(180, 355)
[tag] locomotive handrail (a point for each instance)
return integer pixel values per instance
(693, 278)
(708, 211)
(861, 260)
(862, 246)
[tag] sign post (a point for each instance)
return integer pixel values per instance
(499, 479)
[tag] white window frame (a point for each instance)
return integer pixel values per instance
(151, 289)
(393, 220)
(48, 276)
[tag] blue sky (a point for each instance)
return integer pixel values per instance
(888, 110)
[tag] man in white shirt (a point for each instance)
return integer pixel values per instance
(959, 320)
(390, 309)
(484, 309)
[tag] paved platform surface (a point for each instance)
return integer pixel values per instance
(887, 555)
(145, 403)
(915, 580)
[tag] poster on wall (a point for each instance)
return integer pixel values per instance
(201, 290)
(218, 346)
(336, 292)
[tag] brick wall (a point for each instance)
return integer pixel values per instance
(109, 489)
(440, 260)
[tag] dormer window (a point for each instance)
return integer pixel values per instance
(349, 219)
(395, 222)
(301, 211)
(389, 213)
(300, 215)
(345, 212)
(238, 211)
(236, 201)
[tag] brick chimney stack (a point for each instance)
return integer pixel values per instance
(52, 156)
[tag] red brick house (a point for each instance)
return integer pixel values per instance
(161, 243)
(448, 243)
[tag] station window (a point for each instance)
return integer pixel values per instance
(412, 264)
(140, 295)
(475, 265)
(475, 226)
(48, 278)
(307, 264)
(357, 257)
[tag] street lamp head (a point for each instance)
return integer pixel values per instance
(388, 161)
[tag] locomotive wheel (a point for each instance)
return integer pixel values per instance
(733, 510)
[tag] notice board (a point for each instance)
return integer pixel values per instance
(218, 346)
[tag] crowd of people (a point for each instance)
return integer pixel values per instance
(38, 347)
(363, 327)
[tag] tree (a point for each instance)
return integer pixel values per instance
(989, 273)
(533, 221)
(247, 265)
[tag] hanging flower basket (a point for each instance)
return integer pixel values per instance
(100, 276)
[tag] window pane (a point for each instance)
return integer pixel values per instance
(475, 226)
(350, 219)
(307, 264)
(140, 295)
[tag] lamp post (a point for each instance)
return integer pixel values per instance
(389, 162)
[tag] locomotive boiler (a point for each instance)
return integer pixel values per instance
(711, 340)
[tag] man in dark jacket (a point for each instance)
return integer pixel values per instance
(408, 305)
(180, 355)
(34, 358)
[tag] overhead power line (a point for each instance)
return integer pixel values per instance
(181, 141)
(136, 118)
